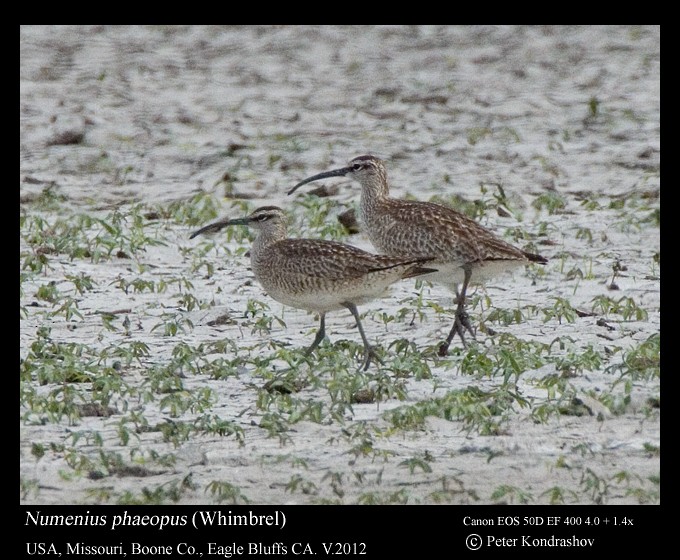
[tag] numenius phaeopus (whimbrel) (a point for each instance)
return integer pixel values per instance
(318, 275)
(463, 250)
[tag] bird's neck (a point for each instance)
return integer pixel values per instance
(373, 195)
(266, 238)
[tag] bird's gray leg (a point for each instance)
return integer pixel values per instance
(369, 353)
(320, 335)
(461, 323)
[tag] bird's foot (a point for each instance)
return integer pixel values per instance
(461, 325)
(370, 355)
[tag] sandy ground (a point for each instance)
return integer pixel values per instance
(111, 117)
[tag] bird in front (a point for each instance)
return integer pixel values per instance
(318, 275)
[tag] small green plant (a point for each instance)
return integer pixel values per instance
(173, 324)
(298, 483)
(138, 285)
(263, 325)
(213, 424)
(550, 201)
(398, 497)
(28, 487)
(558, 495)
(276, 426)
(577, 360)
(81, 282)
(344, 385)
(508, 358)
(478, 410)
(68, 308)
(48, 200)
(175, 432)
(511, 494)
(199, 209)
(409, 361)
(476, 134)
(585, 234)
(560, 310)
(450, 493)
(177, 402)
(317, 219)
(476, 209)
(131, 351)
(595, 486)
(335, 481)
(171, 491)
(48, 292)
(591, 204)
(642, 362)
(226, 492)
(624, 306)
(505, 317)
(419, 462)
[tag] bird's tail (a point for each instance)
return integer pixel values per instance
(418, 269)
(538, 259)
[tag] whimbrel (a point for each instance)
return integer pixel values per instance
(318, 275)
(463, 250)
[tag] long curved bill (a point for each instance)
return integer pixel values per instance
(221, 224)
(335, 173)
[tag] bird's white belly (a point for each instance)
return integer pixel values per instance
(321, 301)
(451, 275)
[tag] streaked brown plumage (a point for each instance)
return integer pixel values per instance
(318, 275)
(463, 251)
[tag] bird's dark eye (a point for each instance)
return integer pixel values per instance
(356, 167)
